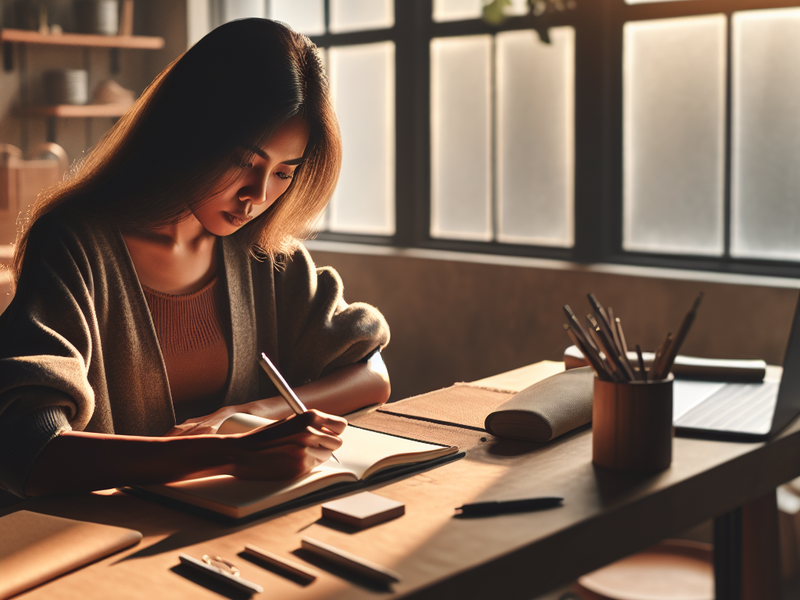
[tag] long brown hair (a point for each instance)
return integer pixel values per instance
(229, 91)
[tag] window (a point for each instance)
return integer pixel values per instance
(711, 140)
(645, 132)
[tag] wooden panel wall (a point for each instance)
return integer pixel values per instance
(459, 321)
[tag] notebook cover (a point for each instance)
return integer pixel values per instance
(36, 548)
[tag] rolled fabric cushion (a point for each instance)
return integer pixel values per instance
(547, 409)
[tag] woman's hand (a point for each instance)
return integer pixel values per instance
(287, 449)
(205, 425)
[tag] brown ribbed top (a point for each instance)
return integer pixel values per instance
(191, 334)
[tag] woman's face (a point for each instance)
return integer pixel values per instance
(261, 180)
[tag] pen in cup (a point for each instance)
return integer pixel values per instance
(284, 390)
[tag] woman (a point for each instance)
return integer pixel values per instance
(149, 282)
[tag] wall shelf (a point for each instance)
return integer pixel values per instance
(137, 42)
(10, 37)
(75, 110)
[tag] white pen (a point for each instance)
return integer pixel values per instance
(283, 388)
(350, 561)
(285, 391)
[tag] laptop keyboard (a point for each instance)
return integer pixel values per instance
(742, 407)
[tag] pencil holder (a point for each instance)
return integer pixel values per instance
(632, 425)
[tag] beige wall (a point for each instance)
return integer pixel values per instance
(456, 320)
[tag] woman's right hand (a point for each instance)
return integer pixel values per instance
(287, 449)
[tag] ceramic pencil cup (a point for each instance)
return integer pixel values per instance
(632, 425)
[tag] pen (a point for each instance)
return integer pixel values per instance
(499, 507)
(219, 575)
(350, 561)
(276, 561)
(283, 388)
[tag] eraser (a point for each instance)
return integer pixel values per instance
(363, 510)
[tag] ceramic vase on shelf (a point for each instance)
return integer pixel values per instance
(97, 16)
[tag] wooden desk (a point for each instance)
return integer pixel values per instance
(605, 516)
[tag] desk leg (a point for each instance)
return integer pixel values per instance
(747, 552)
(761, 554)
(728, 556)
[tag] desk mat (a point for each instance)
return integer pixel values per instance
(434, 433)
(460, 405)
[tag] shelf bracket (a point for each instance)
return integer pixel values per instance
(114, 61)
(8, 57)
(51, 129)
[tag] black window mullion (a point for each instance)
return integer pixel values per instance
(598, 144)
(412, 122)
(727, 172)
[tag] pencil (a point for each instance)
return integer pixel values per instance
(640, 358)
(577, 327)
(623, 345)
(655, 366)
(592, 359)
(602, 316)
(292, 567)
(614, 355)
(683, 330)
(614, 333)
(616, 372)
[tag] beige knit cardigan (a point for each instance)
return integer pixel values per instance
(78, 348)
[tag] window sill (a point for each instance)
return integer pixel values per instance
(552, 264)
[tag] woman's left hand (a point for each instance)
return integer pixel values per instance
(205, 425)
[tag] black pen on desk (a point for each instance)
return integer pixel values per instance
(285, 391)
(500, 507)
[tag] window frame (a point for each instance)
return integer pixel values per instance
(598, 185)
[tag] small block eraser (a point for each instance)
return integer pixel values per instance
(363, 510)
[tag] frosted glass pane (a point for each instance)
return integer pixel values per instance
(242, 9)
(765, 186)
(305, 16)
(358, 15)
(674, 135)
(535, 139)
(460, 138)
(362, 81)
(459, 10)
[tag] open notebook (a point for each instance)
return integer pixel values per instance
(365, 457)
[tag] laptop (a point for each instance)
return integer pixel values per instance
(741, 411)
